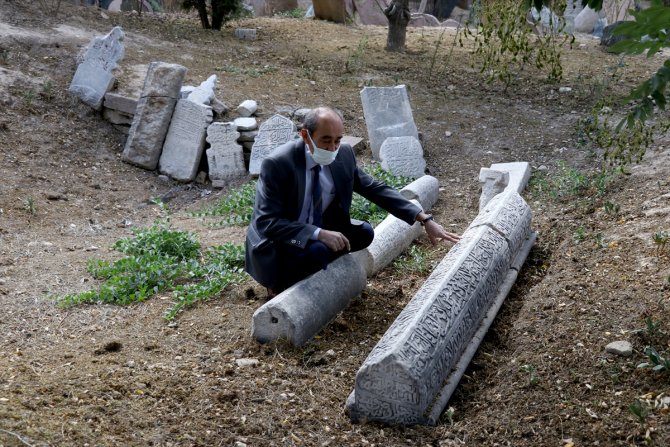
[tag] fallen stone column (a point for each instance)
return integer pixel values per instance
(301, 311)
(407, 378)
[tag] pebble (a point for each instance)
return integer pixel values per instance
(243, 363)
(622, 348)
(565, 89)
(447, 134)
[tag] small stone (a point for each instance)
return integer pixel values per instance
(330, 353)
(622, 348)
(130, 363)
(447, 134)
(247, 108)
(565, 89)
(219, 107)
(240, 444)
(164, 178)
(243, 363)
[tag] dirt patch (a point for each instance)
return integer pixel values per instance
(108, 375)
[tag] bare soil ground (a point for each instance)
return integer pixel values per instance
(111, 375)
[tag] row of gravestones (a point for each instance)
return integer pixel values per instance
(170, 125)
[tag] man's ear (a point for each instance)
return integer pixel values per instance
(305, 135)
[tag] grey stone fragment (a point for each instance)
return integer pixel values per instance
(519, 174)
(493, 183)
(225, 156)
(402, 156)
(246, 136)
(120, 103)
(388, 113)
(244, 363)
(204, 93)
(246, 124)
(586, 20)
(219, 107)
(352, 141)
(247, 108)
(185, 140)
(406, 378)
(300, 114)
(425, 190)
(622, 348)
(116, 117)
(245, 33)
(274, 132)
(152, 116)
(93, 77)
(302, 310)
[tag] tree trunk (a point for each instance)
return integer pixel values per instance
(398, 15)
(202, 12)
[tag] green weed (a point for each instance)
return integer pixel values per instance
(237, 206)
(413, 260)
(611, 207)
(579, 234)
(47, 90)
(640, 410)
(363, 209)
(529, 369)
(30, 206)
(29, 97)
(656, 361)
(159, 258)
(660, 238)
(295, 13)
(354, 62)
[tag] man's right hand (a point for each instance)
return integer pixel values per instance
(334, 240)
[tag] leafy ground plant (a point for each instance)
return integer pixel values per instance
(159, 258)
(656, 361)
(413, 260)
(363, 209)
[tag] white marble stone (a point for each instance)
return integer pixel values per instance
(274, 132)
(388, 113)
(493, 183)
(243, 124)
(247, 108)
(402, 156)
(204, 93)
(225, 156)
(93, 77)
(519, 174)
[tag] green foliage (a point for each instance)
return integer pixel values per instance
(237, 206)
(30, 206)
(47, 90)
(159, 258)
(354, 62)
(529, 369)
(506, 44)
(413, 260)
(640, 410)
(611, 207)
(568, 183)
(660, 238)
(580, 234)
(363, 209)
(295, 13)
(656, 361)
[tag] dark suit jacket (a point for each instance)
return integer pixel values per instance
(279, 196)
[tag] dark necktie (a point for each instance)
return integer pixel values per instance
(316, 196)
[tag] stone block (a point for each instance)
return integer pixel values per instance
(203, 94)
(273, 133)
(387, 114)
(225, 156)
(245, 33)
(244, 124)
(519, 174)
(493, 183)
(116, 117)
(152, 116)
(247, 136)
(407, 378)
(302, 310)
(93, 77)
(247, 108)
(352, 141)
(185, 140)
(402, 156)
(120, 103)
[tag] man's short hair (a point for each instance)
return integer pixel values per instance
(312, 117)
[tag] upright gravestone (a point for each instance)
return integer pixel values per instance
(272, 134)
(387, 114)
(93, 77)
(225, 156)
(402, 156)
(152, 116)
(185, 140)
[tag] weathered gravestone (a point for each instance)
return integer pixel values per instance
(185, 140)
(301, 311)
(493, 183)
(402, 156)
(225, 156)
(273, 133)
(152, 116)
(387, 114)
(93, 77)
(245, 33)
(410, 374)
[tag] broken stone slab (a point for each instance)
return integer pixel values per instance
(116, 117)
(387, 113)
(219, 106)
(302, 310)
(407, 378)
(152, 116)
(352, 141)
(185, 140)
(120, 103)
(402, 156)
(247, 108)
(93, 77)
(225, 156)
(519, 174)
(245, 33)
(493, 183)
(274, 132)
(203, 94)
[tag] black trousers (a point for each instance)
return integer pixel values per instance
(298, 263)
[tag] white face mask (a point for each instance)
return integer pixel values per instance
(322, 156)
